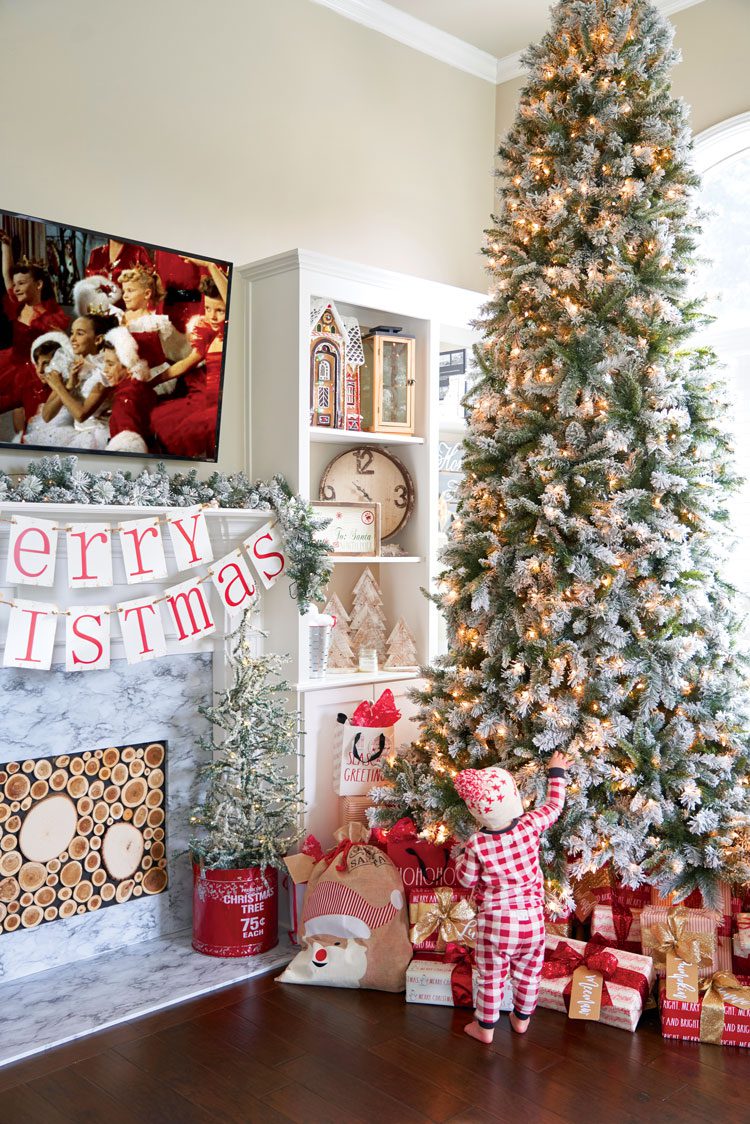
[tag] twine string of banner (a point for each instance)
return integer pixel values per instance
(155, 521)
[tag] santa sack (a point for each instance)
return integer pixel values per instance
(354, 930)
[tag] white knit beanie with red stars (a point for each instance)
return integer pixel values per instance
(490, 795)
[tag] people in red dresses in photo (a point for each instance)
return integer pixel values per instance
(181, 278)
(32, 311)
(159, 343)
(186, 427)
(111, 259)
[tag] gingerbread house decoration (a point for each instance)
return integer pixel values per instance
(336, 356)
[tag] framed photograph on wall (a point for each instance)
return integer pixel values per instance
(353, 528)
(109, 344)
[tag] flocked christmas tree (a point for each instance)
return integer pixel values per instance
(249, 813)
(584, 609)
(340, 654)
(367, 627)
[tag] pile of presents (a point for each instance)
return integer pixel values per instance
(382, 910)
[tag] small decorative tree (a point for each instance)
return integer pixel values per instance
(402, 649)
(368, 628)
(341, 654)
(249, 813)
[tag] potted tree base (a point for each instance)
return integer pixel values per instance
(248, 816)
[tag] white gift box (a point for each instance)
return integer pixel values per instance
(429, 981)
(627, 1005)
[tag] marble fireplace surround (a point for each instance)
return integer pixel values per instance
(100, 968)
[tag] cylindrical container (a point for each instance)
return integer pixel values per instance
(235, 912)
(368, 660)
(319, 645)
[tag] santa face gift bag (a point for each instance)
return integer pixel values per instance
(354, 930)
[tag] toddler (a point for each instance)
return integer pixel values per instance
(502, 861)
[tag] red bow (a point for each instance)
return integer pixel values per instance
(312, 847)
(381, 713)
(462, 959)
(563, 960)
(343, 848)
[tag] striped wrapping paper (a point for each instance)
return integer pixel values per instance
(603, 928)
(701, 921)
(695, 901)
(627, 1006)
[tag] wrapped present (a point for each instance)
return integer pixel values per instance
(441, 916)
(448, 981)
(625, 979)
(364, 741)
(617, 925)
(690, 934)
(421, 862)
(740, 959)
(742, 935)
(695, 900)
(353, 931)
(601, 887)
(721, 1015)
(558, 924)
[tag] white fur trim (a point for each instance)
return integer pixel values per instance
(126, 350)
(335, 924)
(397, 899)
(127, 442)
(63, 357)
(95, 290)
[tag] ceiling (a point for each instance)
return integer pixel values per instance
(483, 37)
(500, 27)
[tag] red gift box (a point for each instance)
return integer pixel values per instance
(419, 862)
(714, 1019)
(441, 916)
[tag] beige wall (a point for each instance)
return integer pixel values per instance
(244, 128)
(714, 75)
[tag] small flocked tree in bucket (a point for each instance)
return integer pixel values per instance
(248, 815)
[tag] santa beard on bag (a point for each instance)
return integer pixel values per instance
(342, 959)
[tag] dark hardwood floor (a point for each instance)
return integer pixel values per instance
(275, 1053)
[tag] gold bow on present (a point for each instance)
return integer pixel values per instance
(674, 936)
(455, 919)
(719, 989)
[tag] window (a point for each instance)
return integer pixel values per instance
(723, 156)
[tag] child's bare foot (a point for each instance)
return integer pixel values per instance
(483, 1034)
(519, 1025)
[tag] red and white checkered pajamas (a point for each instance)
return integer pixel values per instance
(504, 866)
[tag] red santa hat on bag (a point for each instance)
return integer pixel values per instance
(491, 795)
(335, 910)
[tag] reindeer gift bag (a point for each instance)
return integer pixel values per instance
(354, 930)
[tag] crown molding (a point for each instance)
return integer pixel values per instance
(721, 142)
(415, 33)
(422, 36)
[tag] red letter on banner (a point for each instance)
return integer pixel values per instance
(234, 582)
(142, 631)
(31, 635)
(142, 551)
(266, 551)
(37, 540)
(89, 555)
(181, 596)
(95, 633)
(189, 534)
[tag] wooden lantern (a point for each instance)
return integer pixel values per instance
(388, 381)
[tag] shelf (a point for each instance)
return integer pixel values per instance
(355, 679)
(357, 437)
(374, 558)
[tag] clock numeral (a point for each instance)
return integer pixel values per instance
(327, 492)
(402, 498)
(364, 460)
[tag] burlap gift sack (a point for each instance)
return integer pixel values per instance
(354, 930)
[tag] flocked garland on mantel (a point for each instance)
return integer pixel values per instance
(59, 480)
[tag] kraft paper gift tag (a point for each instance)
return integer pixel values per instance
(586, 994)
(682, 980)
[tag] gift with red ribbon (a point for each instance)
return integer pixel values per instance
(448, 980)
(421, 862)
(626, 978)
(617, 922)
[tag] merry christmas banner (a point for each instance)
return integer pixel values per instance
(32, 561)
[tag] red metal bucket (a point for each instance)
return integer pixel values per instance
(235, 912)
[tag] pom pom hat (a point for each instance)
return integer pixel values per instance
(490, 795)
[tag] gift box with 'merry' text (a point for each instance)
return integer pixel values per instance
(720, 1017)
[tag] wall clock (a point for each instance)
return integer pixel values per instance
(373, 476)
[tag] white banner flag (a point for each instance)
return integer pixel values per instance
(32, 550)
(188, 531)
(189, 609)
(87, 632)
(89, 555)
(266, 550)
(31, 635)
(235, 583)
(142, 630)
(143, 550)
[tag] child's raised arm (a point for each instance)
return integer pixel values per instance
(544, 817)
(468, 867)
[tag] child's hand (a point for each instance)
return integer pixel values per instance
(559, 761)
